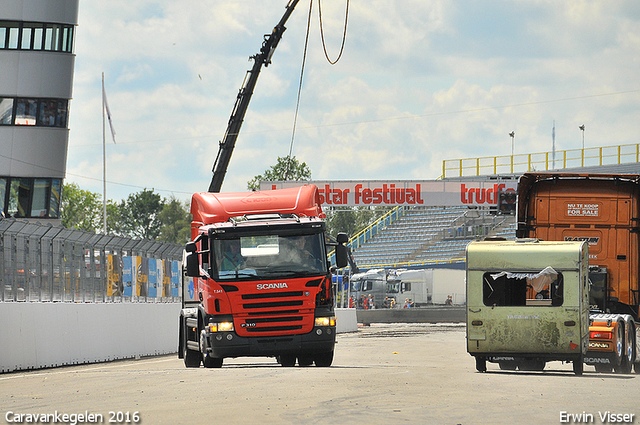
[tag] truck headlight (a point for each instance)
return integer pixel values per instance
(325, 321)
(220, 327)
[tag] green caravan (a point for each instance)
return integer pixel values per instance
(527, 303)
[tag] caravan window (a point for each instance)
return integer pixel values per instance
(522, 289)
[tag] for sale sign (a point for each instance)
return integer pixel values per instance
(583, 210)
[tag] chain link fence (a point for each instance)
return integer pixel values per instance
(43, 263)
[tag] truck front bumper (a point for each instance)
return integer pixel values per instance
(229, 344)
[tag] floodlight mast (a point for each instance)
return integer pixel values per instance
(244, 97)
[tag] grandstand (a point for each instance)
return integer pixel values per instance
(431, 235)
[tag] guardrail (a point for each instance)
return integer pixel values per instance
(409, 264)
(545, 161)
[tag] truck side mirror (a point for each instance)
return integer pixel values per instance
(193, 263)
(341, 250)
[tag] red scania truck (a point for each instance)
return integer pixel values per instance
(261, 279)
(604, 211)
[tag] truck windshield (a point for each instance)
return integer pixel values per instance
(269, 257)
(393, 287)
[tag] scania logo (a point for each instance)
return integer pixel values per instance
(262, 286)
(593, 360)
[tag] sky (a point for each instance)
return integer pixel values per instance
(418, 82)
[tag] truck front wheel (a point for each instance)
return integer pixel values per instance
(212, 362)
(207, 360)
(305, 360)
(324, 359)
(192, 358)
(287, 360)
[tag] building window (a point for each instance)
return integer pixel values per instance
(40, 112)
(3, 196)
(30, 198)
(54, 198)
(26, 110)
(36, 36)
(6, 111)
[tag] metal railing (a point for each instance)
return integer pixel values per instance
(380, 224)
(42, 263)
(370, 231)
(545, 161)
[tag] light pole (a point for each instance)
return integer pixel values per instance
(513, 136)
(582, 128)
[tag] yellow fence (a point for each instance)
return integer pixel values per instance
(521, 163)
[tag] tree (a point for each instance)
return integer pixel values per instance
(176, 222)
(352, 220)
(138, 216)
(80, 209)
(142, 215)
(284, 170)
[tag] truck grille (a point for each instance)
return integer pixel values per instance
(275, 313)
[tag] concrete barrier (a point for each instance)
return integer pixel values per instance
(346, 320)
(41, 335)
(431, 314)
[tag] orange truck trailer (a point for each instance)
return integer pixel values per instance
(261, 282)
(604, 211)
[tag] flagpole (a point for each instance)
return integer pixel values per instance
(104, 166)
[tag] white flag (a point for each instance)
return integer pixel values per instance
(106, 108)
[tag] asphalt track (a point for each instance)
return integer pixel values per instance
(382, 374)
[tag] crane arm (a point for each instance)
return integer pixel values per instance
(244, 97)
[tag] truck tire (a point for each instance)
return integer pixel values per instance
(287, 360)
(212, 362)
(622, 363)
(207, 360)
(324, 359)
(630, 346)
(192, 358)
(305, 360)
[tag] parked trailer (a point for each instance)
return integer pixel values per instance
(527, 303)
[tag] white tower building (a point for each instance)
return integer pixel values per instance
(36, 80)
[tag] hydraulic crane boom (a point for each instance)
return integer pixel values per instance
(244, 96)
